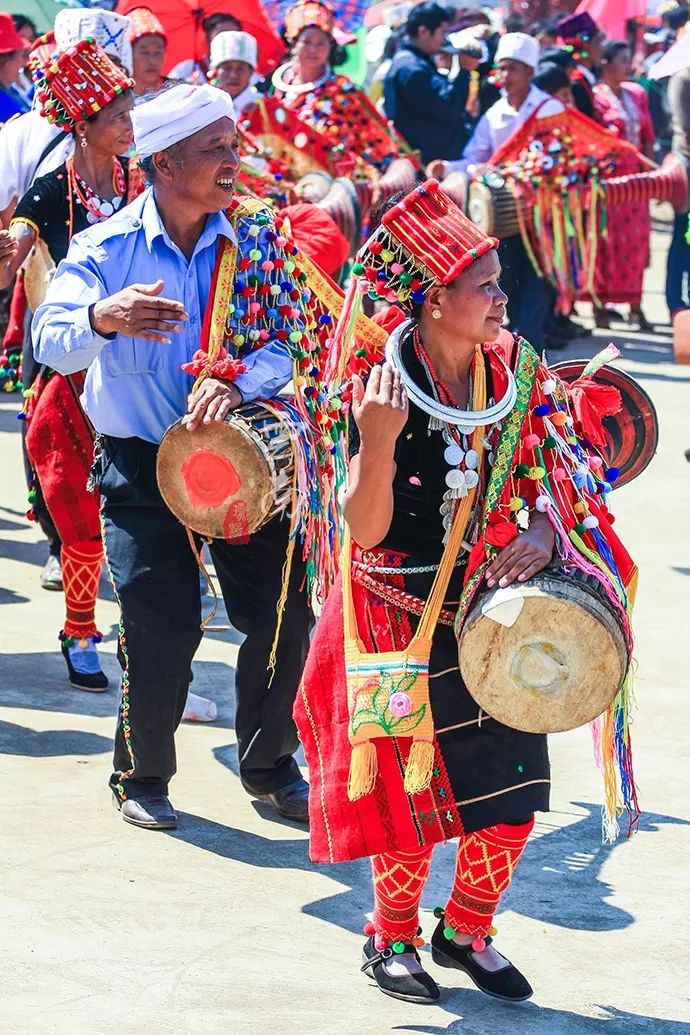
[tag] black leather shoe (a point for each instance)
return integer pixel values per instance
(87, 674)
(507, 983)
(153, 812)
(292, 801)
(413, 988)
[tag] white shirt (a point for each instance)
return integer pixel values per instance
(589, 74)
(249, 96)
(22, 142)
(500, 122)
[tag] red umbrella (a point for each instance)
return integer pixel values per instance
(182, 20)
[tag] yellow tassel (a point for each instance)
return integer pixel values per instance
(420, 766)
(364, 766)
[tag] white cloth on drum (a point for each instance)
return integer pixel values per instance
(176, 114)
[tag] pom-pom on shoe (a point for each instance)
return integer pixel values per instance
(507, 983)
(413, 988)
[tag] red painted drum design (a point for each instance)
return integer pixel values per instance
(545, 655)
(226, 479)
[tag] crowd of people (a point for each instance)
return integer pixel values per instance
(257, 227)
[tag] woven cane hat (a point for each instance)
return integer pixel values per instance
(632, 434)
(423, 241)
(78, 83)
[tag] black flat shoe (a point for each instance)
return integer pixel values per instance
(508, 983)
(413, 988)
(292, 801)
(90, 676)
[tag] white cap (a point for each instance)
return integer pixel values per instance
(176, 114)
(233, 46)
(110, 31)
(518, 46)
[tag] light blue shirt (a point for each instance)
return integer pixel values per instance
(134, 387)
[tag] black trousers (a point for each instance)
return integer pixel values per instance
(156, 579)
(530, 297)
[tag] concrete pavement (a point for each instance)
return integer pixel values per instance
(224, 926)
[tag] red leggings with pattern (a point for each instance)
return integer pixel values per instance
(483, 870)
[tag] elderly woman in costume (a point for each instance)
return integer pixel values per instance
(456, 480)
(623, 254)
(149, 44)
(233, 60)
(87, 188)
(321, 97)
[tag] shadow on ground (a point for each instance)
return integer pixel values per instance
(20, 740)
(38, 681)
(479, 1015)
(558, 878)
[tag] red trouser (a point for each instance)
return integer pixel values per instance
(483, 870)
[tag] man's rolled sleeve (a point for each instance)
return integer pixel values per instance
(63, 337)
(268, 370)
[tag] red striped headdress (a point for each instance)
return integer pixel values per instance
(423, 240)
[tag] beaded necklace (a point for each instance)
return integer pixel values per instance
(78, 189)
(463, 461)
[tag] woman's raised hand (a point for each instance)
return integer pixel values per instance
(380, 408)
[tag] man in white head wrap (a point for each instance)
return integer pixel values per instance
(517, 56)
(530, 296)
(134, 300)
(29, 145)
(232, 66)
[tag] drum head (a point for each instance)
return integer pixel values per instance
(556, 667)
(480, 206)
(38, 274)
(632, 434)
(215, 479)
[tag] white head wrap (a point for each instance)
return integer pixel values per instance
(176, 114)
(233, 46)
(110, 31)
(518, 46)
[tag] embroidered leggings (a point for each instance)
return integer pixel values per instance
(81, 570)
(483, 870)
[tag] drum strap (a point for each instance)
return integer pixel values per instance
(388, 692)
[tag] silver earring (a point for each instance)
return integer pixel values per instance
(83, 143)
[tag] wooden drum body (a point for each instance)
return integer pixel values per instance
(545, 655)
(226, 479)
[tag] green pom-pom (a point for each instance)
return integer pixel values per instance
(357, 269)
(521, 470)
(448, 933)
(32, 496)
(580, 528)
(398, 947)
(438, 912)
(549, 442)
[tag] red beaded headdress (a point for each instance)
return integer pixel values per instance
(143, 22)
(423, 240)
(305, 13)
(78, 83)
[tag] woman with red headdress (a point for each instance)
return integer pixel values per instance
(149, 44)
(464, 470)
(325, 99)
(86, 94)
